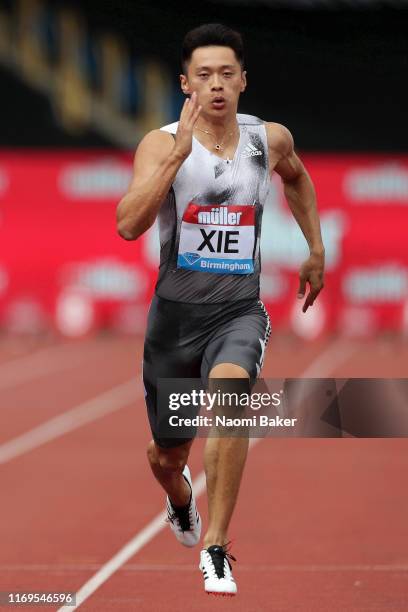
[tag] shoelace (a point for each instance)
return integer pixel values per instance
(218, 557)
(182, 515)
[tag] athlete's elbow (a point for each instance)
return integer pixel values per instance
(131, 231)
(127, 234)
(126, 223)
(128, 231)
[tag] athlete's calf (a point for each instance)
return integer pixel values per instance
(167, 465)
(224, 462)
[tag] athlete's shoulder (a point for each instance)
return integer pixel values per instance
(171, 127)
(279, 138)
(155, 145)
(156, 138)
(249, 120)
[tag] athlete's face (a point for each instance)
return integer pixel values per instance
(216, 75)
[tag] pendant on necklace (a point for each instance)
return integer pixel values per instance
(218, 147)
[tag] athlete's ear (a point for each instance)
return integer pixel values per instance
(184, 84)
(243, 80)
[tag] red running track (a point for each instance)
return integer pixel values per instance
(320, 523)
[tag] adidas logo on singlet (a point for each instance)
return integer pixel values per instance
(251, 151)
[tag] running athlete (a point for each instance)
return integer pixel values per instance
(206, 178)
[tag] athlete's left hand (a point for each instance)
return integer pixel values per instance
(311, 271)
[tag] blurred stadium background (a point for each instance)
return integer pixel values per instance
(82, 82)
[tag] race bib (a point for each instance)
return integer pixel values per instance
(218, 239)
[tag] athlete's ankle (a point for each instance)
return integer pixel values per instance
(216, 539)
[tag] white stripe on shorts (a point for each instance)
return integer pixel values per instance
(265, 340)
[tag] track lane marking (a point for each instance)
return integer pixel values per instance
(335, 355)
(39, 363)
(105, 403)
(150, 567)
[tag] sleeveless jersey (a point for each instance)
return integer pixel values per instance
(210, 221)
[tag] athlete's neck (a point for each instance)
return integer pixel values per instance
(219, 128)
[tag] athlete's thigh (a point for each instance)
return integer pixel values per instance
(241, 340)
(168, 353)
(171, 349)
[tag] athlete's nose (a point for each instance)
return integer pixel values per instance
(216, 84)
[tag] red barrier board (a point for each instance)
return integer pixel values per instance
(63, 264)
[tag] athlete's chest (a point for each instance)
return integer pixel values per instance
(216, 180)
(218, 205)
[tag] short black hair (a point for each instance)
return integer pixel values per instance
(211, 34)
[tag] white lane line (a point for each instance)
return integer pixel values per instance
(88, 411)
(128, 551)
(157, 524)
(40, 363)
(150, 567)
(337, 353)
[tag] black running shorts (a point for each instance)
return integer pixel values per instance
(187, 340)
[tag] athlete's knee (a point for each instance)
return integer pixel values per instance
(169, 459)
(152, 453)
(228, 370)
(231, 385)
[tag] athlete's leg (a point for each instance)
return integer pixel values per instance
(224, 461)
(167, 466)
(163, 357)
(236, 350)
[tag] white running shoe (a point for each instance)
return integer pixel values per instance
(216, 568)
(185, 522)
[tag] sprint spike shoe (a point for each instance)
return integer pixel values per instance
(185, 521)
(216, 569)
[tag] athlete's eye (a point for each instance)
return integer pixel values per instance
(203, 75)
(228, 74)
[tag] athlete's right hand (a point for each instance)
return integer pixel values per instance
(188, 117)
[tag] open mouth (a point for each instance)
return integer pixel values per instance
(218, 102)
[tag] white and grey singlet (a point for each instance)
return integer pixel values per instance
(210, 222)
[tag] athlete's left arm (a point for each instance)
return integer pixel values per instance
(301, 197)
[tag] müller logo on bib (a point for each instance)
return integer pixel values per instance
(218, 239)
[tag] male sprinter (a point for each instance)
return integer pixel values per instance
(206, 178)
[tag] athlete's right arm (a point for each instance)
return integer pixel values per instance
(157, 161)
